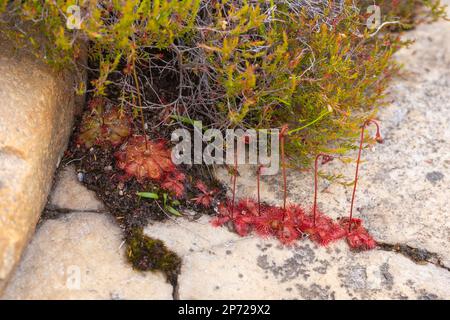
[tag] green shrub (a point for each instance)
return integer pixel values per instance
(259, 64)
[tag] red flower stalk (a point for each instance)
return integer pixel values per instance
(325, 158)
(258, 176)
(235, 173)
(378, 139)
(138, 92)
(283, 133)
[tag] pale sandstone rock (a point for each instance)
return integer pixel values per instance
(218, 264)
(36, 117)
(81, 256)
(69, 194)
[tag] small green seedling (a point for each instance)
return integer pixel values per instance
(148, 195)
(168, 204)
(169, 207)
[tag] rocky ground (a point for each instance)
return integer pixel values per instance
(402, 197)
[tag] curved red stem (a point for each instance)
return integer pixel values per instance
(235, 173)
(283, 163)
(258, 174)
(315, 189)
(283, 133)
(326, 158)
(138, 92)
(379, 140)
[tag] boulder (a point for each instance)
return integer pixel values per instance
(37, 107)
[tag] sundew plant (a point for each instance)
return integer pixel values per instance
(317, 69)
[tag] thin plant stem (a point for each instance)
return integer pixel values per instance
(283, 164)
(138, 91)
(258, 176)
(310, 123)
(235, 173)
(379, 140)
(326, 158)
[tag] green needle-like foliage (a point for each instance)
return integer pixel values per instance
(238, 63)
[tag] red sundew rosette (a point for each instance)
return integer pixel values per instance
(358, 238)
(324, 231)
(151, 160)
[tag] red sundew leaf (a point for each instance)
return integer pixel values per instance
(100, 127)
(223, 217)
(97, 103)
(206, 197)
(202, 187)
(247, 207)
(145, 161)
(242, 216)
(224, 209)
(219, 221)
(116, 127)
(286, 225)
(242, 226)
(246, 218)
(288, 233)
(324, 231)
(295, 214)
(358, 238)
(178, 176)
(203, 199)
(270, 221)
(174, 184)
(121, 178)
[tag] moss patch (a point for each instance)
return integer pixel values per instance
(149, 254)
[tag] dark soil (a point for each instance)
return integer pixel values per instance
(419, 256)
(132, 213)
(97, 169)
(97, 165)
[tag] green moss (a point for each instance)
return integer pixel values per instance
(148, 254)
